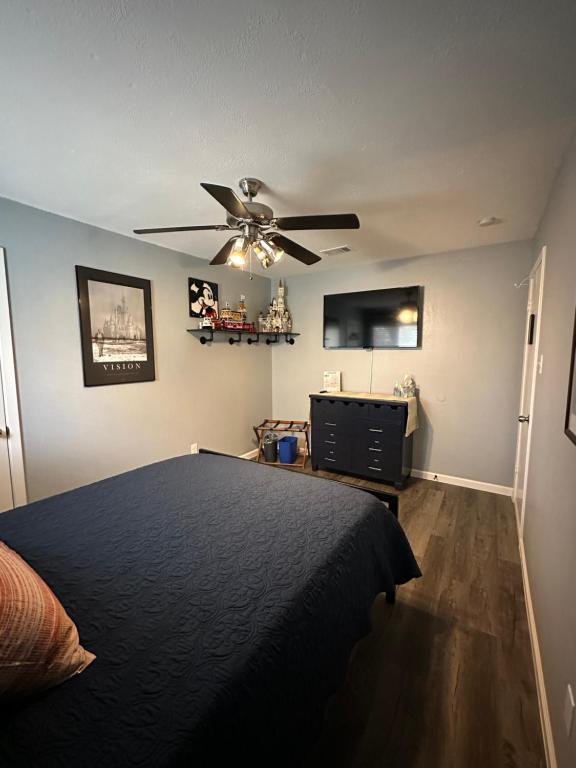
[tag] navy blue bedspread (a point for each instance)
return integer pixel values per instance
(222, 600)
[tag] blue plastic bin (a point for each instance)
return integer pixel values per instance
(288, 450)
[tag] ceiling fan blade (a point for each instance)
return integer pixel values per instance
(226, 197)
(179, 229)
(293, 249)
(223, 253)
(330, 221)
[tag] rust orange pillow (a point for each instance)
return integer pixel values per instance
(39, 643)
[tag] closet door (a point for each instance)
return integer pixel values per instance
(6, 498)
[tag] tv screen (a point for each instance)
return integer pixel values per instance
(390, 318)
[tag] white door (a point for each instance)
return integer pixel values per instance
(6, 497)
(532, 362)
(12, 479)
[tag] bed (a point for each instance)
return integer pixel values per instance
(222, 599)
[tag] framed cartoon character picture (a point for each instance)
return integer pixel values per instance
(202, 298)
(115, 327)
(570, 425)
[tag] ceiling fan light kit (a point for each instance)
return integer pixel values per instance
(256, 223)
(266, 253)
(237, 256)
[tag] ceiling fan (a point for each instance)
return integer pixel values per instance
(256, 224)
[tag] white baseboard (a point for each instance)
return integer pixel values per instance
(537, 658)
(249, 455)
(502, 490)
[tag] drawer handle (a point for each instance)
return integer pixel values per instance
(375, 430)
(329, 424)
(330, 442)
(376, 469)
(327, 459)
(378, 450)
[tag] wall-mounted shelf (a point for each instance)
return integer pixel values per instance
(207, 335)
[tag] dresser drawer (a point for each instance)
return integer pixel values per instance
(372, 441)
(331, 456)
(388, 414)
(324, 438)
(384, 412)
(382, 466)
(375, 471)
(330, 413)
(368, 430)
(375, 452)
(339, 433)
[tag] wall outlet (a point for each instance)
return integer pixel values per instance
(194, 448)
(569, 707)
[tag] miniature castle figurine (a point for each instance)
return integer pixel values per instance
(278, 319)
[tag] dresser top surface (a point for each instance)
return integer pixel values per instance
(376, 396)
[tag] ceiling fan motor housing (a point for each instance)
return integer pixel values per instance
(262, 213)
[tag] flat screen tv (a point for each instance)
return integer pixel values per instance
(390, 318)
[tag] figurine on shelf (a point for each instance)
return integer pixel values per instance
(278, 319)
(209, 318)
(286, 322)
(242, 308)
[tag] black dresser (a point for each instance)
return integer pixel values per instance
(360, 434)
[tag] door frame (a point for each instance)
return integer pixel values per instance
(536, 301)
(9, 391)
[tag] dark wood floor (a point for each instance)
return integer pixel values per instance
(445, 679)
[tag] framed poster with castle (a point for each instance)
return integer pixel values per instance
(115, 327)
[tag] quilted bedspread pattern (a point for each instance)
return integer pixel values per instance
(222, 600)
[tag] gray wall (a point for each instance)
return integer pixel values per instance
(469, 367)
(74, 435)
(550, 523)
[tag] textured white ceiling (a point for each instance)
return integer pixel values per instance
(419, 116)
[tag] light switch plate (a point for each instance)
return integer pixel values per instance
(569, 707)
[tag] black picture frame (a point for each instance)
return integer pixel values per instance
(198, 306)
(569, 425)
(115, 327)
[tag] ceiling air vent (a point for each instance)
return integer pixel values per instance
(338, 250)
